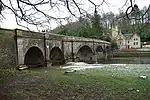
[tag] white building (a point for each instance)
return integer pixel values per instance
(126, 40)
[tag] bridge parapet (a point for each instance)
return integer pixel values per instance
(80, 39)
(28, 34)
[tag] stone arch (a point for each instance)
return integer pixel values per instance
(84, 54)
(34, 57)
(99, 49)
(99, 54)
(80, 46)
(107, 49)
(56, 56)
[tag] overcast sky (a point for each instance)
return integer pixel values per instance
(113, 5)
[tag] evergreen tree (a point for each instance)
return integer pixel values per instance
(96, 25)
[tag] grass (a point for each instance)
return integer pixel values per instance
(108, 83)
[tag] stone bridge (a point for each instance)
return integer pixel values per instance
(36, 49)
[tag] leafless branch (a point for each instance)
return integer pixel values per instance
(125, 4)
(39, 12)
(77, 6)
(133, 10)
(67, 2)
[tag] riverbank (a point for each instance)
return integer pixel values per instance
(109, 82)
(132, 54)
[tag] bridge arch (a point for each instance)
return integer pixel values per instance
(34, 57)
(56, 56)
(108, 48)
(84, 54)
(99, 49)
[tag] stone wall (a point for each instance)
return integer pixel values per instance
(7, 48)
(26, 40)
(14, 45)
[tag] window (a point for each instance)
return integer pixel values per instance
(128, 41)
(136, 43)
(136, 38)
(120, 42)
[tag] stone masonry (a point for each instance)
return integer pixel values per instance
(34, 48)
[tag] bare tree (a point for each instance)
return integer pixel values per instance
(41, 12)
(133, 9)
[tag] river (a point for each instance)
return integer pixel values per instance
(126, 60)
(120, 62)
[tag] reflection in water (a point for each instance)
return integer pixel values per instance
(120, 69)
(121, 63)
(84, 66)
(81, 66)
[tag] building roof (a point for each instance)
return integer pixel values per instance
(120, 37)
(128, 36)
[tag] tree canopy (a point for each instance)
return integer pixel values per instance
(99, 26)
